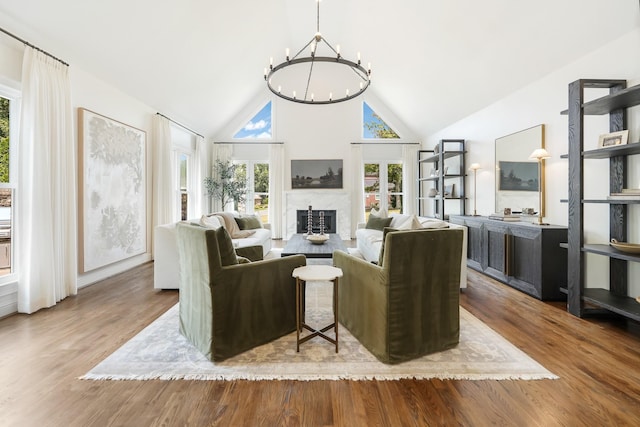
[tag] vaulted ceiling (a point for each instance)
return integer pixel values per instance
(201, 61)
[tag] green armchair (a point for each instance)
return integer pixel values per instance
(409, 305)
(228, 307)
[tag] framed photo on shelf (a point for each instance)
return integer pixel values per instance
(448, 190)
(614, 138)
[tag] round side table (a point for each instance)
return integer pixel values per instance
(318, 273)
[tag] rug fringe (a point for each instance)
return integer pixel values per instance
(338, 377)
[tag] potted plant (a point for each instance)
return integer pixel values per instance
(226, 184)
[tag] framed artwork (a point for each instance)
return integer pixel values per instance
(312, 174)
(614, 138)
(518, 176)
(112, 190)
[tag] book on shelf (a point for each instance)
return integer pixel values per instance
(502, 217)
(629, 191)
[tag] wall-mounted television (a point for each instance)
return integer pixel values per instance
(312, 174)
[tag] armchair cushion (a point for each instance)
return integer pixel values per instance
(225, 247)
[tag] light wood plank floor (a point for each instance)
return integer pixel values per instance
(42, 356)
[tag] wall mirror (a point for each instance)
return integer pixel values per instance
(517, 174)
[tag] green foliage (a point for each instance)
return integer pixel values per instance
(379, 128)
(261, 178)
(4, 140)
(228, 183)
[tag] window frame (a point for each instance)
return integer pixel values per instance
(250, 183)
(15, 99)
(383, 194)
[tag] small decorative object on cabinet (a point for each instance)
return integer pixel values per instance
(525, 256)
(447, 161)
(613, 296)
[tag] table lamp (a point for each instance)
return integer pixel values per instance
(474, 167)
(540, 154)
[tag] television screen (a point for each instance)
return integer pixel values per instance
(312, 174)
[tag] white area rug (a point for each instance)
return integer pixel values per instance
(160, 352)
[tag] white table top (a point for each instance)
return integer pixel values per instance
(317, 272)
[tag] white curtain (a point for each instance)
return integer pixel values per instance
(221, 152)
(163, 191)
(357, 199)
(410, 178)
(276, 189)
(202, 170)
(46, 201)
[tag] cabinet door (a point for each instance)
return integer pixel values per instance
(475, 244)
(525, 266)
(495, 244)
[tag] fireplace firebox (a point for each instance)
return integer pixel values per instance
(329, 221)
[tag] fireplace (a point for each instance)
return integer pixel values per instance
(329, 221)
(340, 201)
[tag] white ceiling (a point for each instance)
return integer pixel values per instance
(201, 61)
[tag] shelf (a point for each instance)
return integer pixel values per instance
(623, 99)
(611, 252)
(436, 157)
(613, 201)
(435, 178)
(604, 298)
(607, 201)
(616, 150)
(606, 153)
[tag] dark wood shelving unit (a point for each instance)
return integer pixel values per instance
(437, 159)
(615, 298)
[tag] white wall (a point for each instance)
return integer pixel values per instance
(542, 102)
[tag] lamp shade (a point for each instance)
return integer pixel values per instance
(539, 154)
(474, 166)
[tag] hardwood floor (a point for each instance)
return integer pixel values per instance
(42, 355)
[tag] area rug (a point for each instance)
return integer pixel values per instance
(160, 352)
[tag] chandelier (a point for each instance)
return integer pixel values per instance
(320, 78)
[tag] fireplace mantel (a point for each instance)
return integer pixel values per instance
(319, 199)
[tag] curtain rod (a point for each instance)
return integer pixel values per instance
(385, 143)
(181, 125)
(32, 46)
(248, 142)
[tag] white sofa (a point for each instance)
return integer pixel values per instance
(165, 252)
(369, 241)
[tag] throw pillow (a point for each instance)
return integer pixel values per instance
(376, 223)
(386, 231)
(248, 222)
(210, 221)
(225, 247)
(379, 213)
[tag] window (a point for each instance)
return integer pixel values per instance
(259, 127)
(256, 176)
(383, 191)
(183, 186)
(373, 127)
(9, 107)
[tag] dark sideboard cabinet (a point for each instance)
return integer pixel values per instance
(525, 256)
